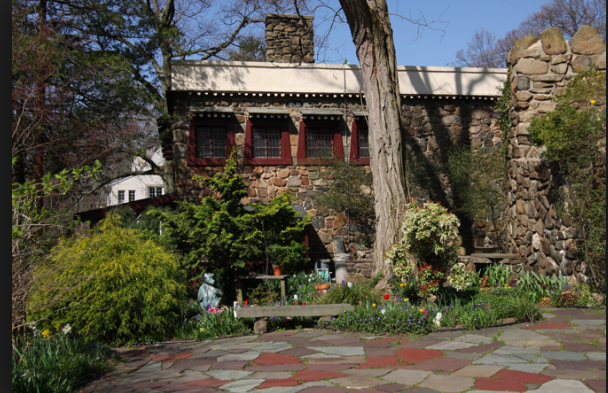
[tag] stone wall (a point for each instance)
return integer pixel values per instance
(433, 126)
(546, 241)
(290, 39)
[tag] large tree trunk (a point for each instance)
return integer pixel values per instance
(373, 36)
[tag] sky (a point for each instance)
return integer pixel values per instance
(436, 48)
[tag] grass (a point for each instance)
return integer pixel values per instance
(59, 363)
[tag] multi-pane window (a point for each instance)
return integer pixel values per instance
(155, 191)
(266, 142)
(363, 143)
(211, 142)
(319, 143)
(121, 197)
(131, 195)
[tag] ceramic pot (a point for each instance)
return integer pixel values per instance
(278, 270)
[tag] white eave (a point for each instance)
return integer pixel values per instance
(327, 80)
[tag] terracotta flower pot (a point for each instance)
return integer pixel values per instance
(278, 270)
(322, 287)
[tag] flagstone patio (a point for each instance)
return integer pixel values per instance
(565, 353)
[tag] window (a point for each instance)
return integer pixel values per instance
(359, 143)
(131, 195)
(121, 197)
(210, 141)
(267, 142)
(319, 140)
(319, 143)
(155, 192)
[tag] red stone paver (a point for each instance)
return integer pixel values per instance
(381, 362)
(335, 368)
(186, 364)
(380, 352)
(499, 385)
(229, 365)
(445, 365)
(518, 376)
(394, 341)
(278, 383)
(275, 369)
(320, 389)
(549, 325)
(312, 376)
(581, 348)
(481, 348)
(415, 356)
(598, 386)
(579, 365)
(209, 383)
(419, 344)
(272, 359)
(297, 352)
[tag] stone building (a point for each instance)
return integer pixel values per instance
(285, 115)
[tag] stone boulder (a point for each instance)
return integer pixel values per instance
(587, 41)
(553, 41)
(520, 46)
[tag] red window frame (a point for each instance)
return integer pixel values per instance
(285, 159)
(210, 122)
(354, 144)
(338, 147)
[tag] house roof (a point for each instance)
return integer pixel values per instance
(139, 205)
(299, 80)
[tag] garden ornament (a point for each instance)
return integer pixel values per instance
(208, 294)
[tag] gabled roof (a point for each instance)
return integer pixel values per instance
(274, 79)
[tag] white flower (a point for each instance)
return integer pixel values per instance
(295, 297)
(383, 311)
(350, 284)
(438, 319)
(66, 329)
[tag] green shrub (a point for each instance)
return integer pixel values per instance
(59, 363)
(112, 286)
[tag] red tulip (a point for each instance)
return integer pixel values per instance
(246, 301)
(387, 296)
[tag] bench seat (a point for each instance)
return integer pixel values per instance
(317, 310)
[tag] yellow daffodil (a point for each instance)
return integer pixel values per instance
(202, 329)
(57, 326)
(593, 102)
(46, 333)
(422, 310)
(406, 300)
(374, 305)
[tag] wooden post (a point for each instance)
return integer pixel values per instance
(239, 291)
(283, 289)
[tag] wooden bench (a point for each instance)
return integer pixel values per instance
(240, 279)
(317, 310)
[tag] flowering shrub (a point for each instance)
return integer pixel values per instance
(429, 245)
(461, 279)
(392, 318)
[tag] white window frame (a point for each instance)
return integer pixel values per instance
(132, 195)
(121, 196)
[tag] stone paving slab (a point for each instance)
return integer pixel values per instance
(478, 371)
(564, 386)
(356, 382)
(448, 383)
(407, 377)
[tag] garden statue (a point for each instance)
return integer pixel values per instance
(208, 294)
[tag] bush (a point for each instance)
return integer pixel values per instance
(59, 363)
(112, 286)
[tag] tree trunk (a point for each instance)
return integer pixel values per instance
(373, 37)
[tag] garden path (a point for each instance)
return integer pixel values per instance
(565, 353)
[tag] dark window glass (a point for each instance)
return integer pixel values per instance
(121, 197)
(131, 196)
(155, 191)
(363, 142)
(266, 143)
(319, 143)
(211, 142)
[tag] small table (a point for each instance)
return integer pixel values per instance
(239, 284)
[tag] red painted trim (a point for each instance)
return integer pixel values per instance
(338, 145)
(354, 146)
(192, 159)
(286, 158)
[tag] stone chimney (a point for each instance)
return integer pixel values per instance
(290, 39)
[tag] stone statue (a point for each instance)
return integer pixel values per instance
(208, 294)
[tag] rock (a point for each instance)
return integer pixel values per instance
(528, 116)
(532, 67)
(553, 41)
(536, 241)
(545, 106)
(548, 78)
(523, 83)
(600, 60)
(546, 245)
(587, 41)
(560, 68)
(293, 181)
(560, 59)
(581, 63)
(284, 173)
(260, 326)
(278, 182)
(566, 268)
(523, 96)
(551, 267)
(520, 46)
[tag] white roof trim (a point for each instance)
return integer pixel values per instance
(267, 78)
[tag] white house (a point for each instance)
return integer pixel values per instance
(134, 188)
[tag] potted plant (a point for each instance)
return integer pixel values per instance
(277, 270)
